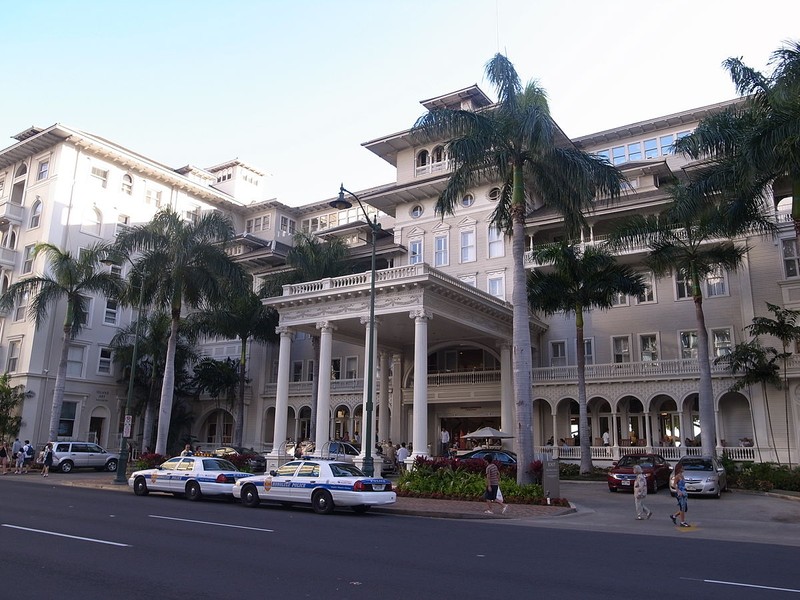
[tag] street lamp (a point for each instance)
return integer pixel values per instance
(122, 464)
(340, 204)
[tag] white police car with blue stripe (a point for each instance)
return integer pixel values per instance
(189, 476)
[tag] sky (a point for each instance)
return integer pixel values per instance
(295, 87)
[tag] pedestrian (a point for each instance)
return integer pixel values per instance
(15, 448)
(492, 486)
(19, 461)
(444, 437)
(680, 496)
(187, 450)
(640, 493)
(27, 455)
(4, 451)
(48, 459)
(606, 439)
(402, 454)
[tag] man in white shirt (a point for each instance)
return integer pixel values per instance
(402, 454)
(606, 439)
(444, 436)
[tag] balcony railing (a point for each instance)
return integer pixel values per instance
(632, 370)
(433, 167)
(671, 453)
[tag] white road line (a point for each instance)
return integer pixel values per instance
(211, 523)
(73, 537)
(747, 585)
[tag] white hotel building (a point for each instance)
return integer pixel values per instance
(443, 320)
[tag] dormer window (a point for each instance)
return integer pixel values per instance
(494, 194)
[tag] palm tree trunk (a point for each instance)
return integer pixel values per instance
(708, 426)
(60, 384)
(583, 416)
(168, 386)
(238, 431)
(787, 402)
(521, 357)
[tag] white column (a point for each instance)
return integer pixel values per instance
(323, 425)
(383, 414)
(507, 394)
(396, 424)
(369, 331)
(282, 390)
(648, 430)
(720, 432)
(420, 426)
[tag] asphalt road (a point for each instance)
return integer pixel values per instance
(63, 542)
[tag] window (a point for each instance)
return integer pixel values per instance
(619, 299)
(688, 342)
(621, 348)
(721, 339)
(84, 316)
(153, 197)
(468, 200)
(648, 344)
(635, 151)
(27, 259)
(468, 253)
(588, 351)
(36, 214)
(666, 144)
(649, 293)
(494, 194)
(651, 148)
(105, 361)
(310, 375)
(441, 256)
(437, 155)
(422, 158)
(257, 224)
(715, 283)
(287, 225)
(683, 285)
(618, 155)
(351, 367)
(470, 280)
(2, 186)
(791, 258)
(66, 424)
(558, 354)
(101, 175)
(21, 309)
(416, 211)
(123, 222)
(75, 357)
(92, 221)
(497, 246)
(496, 286)
(127, 184)
(44, 168)
(14, 348)
(336, 368)
(297, 370)
(415, 252)
(110, 315)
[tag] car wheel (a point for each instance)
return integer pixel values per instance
(250, 496)
(611, 489)
(361, 508)
(66, 466)
(718, 495)
(140, 487)
(193, 492)
(654, 488)
(111, 465)
(322, 502)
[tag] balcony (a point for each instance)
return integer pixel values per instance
(11, 213)
(433, 168)
(8, 257)
(648, 370)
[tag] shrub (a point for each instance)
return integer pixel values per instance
(148, 461)
(763, 476)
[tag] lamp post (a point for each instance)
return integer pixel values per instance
(342, 203)
(122, 464)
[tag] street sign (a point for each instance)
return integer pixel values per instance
(126, 430)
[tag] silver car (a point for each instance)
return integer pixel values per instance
(704, 476)
(79, 455)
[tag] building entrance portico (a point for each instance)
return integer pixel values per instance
(417, 308)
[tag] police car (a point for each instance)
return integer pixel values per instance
(324, 484)
(189, 476)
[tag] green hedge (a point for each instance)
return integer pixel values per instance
(762, 476)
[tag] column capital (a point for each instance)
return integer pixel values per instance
(420, 313)
(325, 325)
(365, 321)
(284, 331)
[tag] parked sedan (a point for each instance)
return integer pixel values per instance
(704, 475)
(502, 457)
(189, 476)
(324, 484)
(654, 466)
(257, 462)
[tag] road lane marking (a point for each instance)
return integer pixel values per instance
(211, 523)
(73, 537)
(747, 585)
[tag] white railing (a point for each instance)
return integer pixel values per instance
(614, 371)
(605, 454)
(463, 378)
(433, 167)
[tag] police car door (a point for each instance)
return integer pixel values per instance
(279, 486)
(305, 481)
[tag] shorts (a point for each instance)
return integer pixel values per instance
(491, 494)
(683, 505)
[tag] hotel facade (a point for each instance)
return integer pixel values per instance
(442, 351)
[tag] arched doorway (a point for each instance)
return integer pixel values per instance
(217, 429)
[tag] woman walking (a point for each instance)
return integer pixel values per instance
(48, 459)
(680, 495)
(4, 458)
(640, 493)
(492, 486)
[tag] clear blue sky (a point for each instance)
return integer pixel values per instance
(295, 87)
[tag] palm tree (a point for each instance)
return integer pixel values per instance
(754, 144)
(239, 316)
(693, 237)
(784, 327)
(151, 361)
(310, 259)
(517, 142)
(579, 282)
(218, 378)
(185, 264)
(71, 278)
(757, 365)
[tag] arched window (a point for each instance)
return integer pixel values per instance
(92, 222)
(416, 211)
(21, 171)
(127, 184)
(423, 158)
(438, 154)
(36, 214)
(6, 282)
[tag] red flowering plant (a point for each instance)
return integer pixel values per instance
(149, 460)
